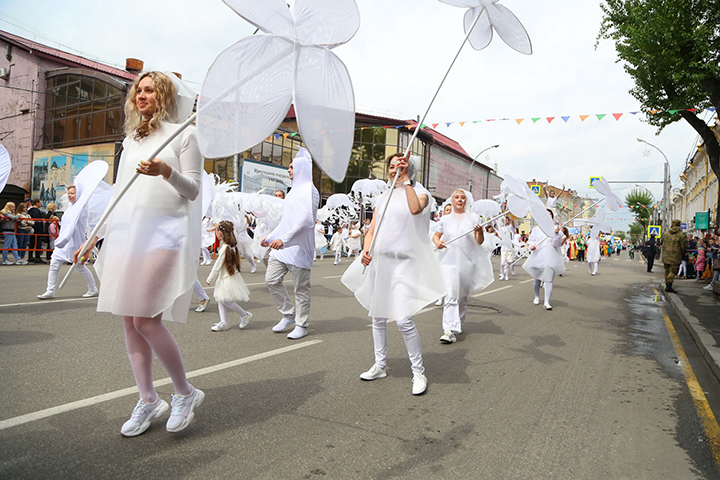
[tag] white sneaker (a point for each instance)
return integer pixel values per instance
(245, 320)
(91, 293)
(283, 324)
(547, 306)
(142, 415)
(374, 373)
(202, 306)
(253, 268)
(183, 410)
(22, 262)
(297, 333)
(536, 301)
(448, 337)
(220, 327)
(419, 382)
(439, 302)
(708, 287)
(8, 262)
(46, 296)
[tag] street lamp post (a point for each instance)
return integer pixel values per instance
(473, 163)
(666, 184)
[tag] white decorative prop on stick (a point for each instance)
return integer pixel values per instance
(612, 201)
(599, 224)
(522, 200)
(5, 166)
(253, 82)
(85, 184)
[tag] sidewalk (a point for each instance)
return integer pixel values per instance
(699, 310)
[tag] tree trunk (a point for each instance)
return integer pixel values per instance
(712, 149)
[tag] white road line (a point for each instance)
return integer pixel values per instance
(334, 276)
(49, 412)
(526, 281)
(492, 291)
(38, 302)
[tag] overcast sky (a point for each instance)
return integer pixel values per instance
(396, 61)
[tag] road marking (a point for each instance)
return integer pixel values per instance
(492, 291)
(526, 281)
(49, 412)
(707, 418)
(334, 276)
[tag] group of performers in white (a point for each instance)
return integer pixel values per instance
(148, 262)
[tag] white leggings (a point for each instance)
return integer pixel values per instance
(54, 273)
(205, 254)
(224, 306)
(338, 255)
(199, 291)
(682, 272)
(593, 266)
(547, 286)
(454, 312)
(410, 335)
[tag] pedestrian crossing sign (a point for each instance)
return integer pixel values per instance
(654, 230)
(535, 189)
(593, 180)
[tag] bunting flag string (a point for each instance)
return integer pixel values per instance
(518, 121)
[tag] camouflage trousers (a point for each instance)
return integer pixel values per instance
(670, 271)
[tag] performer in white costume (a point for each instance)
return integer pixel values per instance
(336, 244)
(403, 275)
(593, 252)
(466, 267)
(320, 240)
(507, 249)
(70, 240)
(230, 287)
(354, 245)
(208, 238)
(293, 244)
(149, 260)
(545, 261)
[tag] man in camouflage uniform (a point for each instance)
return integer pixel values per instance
(674, 246)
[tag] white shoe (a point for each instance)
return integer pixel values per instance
(448, 337)
(374, 373)
(245, 320)
(297, 333)
(439, 302)
(202, 306)
(46, 296)
(183, 410)
(708, 287)
(536, 301)
(547, 306)
(91, 293)
(220, 327)
(8, 262)
(142, 415)
(419, 382)
(22, 262)
(283, 324)
(253, 268)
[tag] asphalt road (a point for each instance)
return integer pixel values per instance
(590, 390)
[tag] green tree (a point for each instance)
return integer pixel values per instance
(636, 231)
(671, 49)
(640, 202)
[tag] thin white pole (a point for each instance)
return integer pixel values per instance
(471, 231)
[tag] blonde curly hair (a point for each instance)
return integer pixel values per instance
(166, 111)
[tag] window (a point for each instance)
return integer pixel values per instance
(82, 109)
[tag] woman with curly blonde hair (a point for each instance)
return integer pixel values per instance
(149, 261)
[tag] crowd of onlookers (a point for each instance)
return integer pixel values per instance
(28, 226)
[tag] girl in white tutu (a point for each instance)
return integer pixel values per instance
(230, 287)
(545, 261)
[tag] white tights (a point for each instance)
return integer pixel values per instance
(205, 254)
(143, 336)
(54, 273)
(593, 266)
(547, 286)
(338, 255)
(199, 291)
(410, 335)
(224, 306)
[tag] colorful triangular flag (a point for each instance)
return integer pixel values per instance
(535, 119)
(435, 125)
(519, 120)
(462, 124)
(550, 119)
(565, 119)
(583, 117)
(617, 115)
(600, 116)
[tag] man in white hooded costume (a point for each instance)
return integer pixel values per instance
(293, 248)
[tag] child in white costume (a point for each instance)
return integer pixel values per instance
(336, 244)
(230, 287)
(64, 249)
(320, 240)
(507, 249)
(149, 260)
(593, 252)
(466, 267)
(545, 261)
(354, 246)
(403, 275)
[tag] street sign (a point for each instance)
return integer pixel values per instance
(535, 189)
(593, 180)
(702, 220)
(683, 226)
(654, 230)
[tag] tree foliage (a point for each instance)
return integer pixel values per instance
(640, 202)
(671, 49)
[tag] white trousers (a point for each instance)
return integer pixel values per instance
(54, 273)
(205, 255)
(593, 266)
(245, 252)
(682, 272)
(410, 335)
(274, 276)
(454, 312)
(199, 291)
(223, 307)
(338, 255)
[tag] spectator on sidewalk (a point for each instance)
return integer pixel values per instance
(675, 245)
(41, 231)
(8, 220)
(24, 231)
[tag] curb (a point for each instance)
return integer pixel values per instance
(704, 340)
